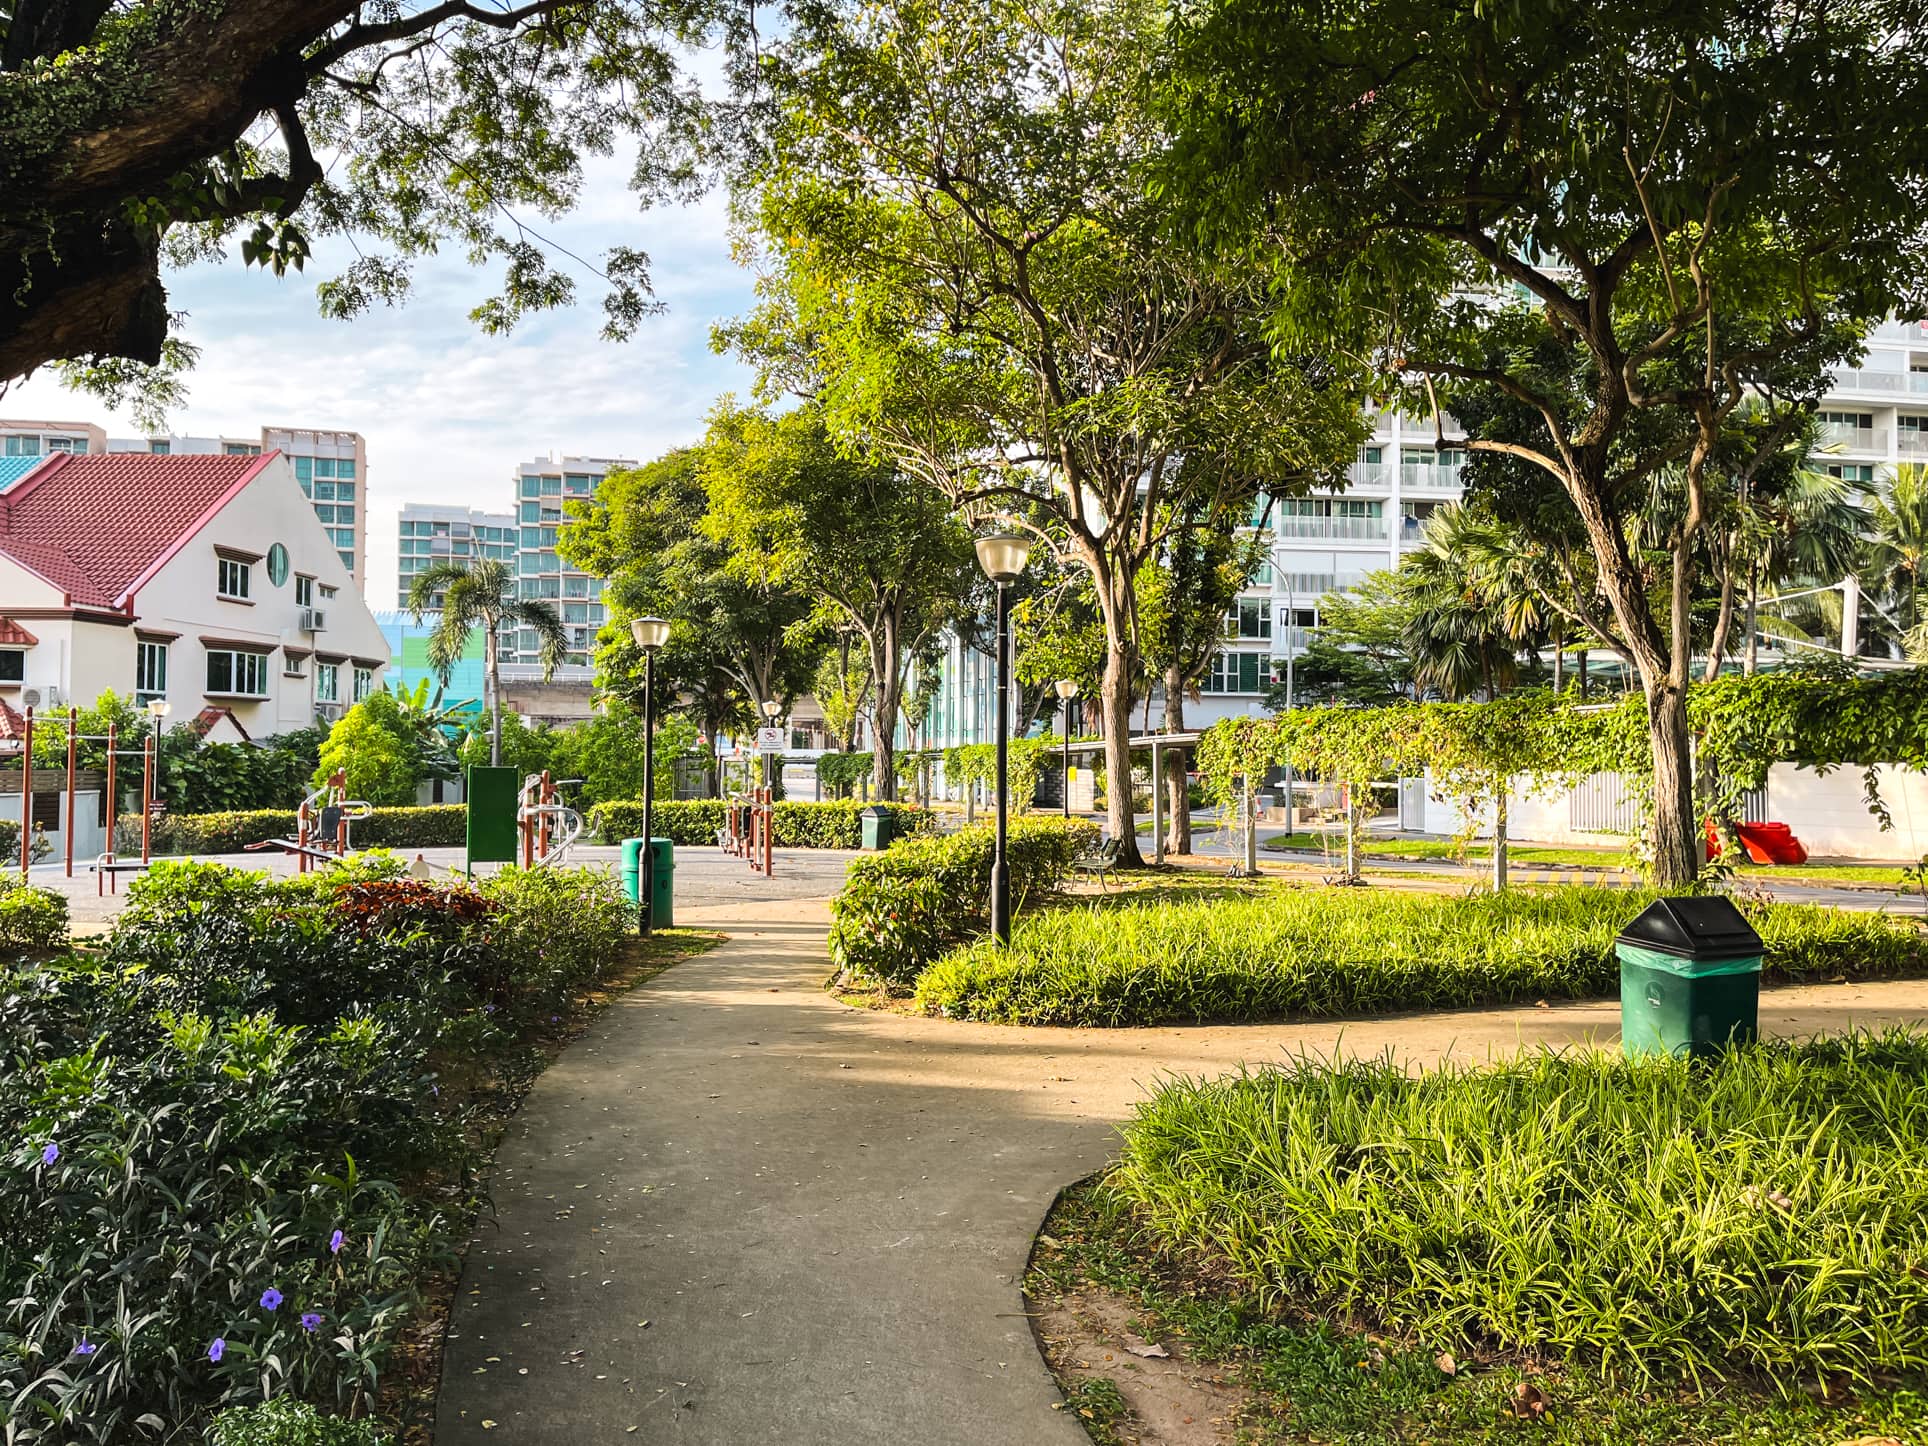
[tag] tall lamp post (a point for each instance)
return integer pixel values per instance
(1003, 556)
(1067, 689)
(650, 634)
(772, 710)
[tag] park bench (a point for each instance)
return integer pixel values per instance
(1098, 865)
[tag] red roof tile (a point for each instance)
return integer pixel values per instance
(97, 525)
(204, 722)
(12, 726)
(12, 635)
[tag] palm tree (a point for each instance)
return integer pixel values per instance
(1898, 549)
(483, 594)
(1471, 615)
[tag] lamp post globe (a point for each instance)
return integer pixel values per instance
(1003, 556)
(650, 634)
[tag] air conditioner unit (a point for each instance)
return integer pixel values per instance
(313, 620)
(33, 698)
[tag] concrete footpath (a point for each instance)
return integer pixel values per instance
(738, 1212)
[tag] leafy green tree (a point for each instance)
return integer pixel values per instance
(874, 549)
(511, 742)
(483, 595)
(1626, 218)
(606, 754)
(134, 138)
(1361, 653)
(966, 268)
(737, 639)
(376, 750)
(842, 689)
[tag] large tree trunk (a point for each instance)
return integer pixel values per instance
(1120, 817)
(1676, 833)
(1178, 813)
(886, 666)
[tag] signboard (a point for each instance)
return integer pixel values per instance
(772, 740)
(492, 800)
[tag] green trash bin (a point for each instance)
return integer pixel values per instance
(877, 826)
(1690, 978)
(662, 914)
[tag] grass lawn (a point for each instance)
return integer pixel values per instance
(1216, 952)
(1577, 856)
(1305, 1378)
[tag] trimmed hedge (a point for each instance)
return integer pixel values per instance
(1758, 1216)
(1320, 953)
(434, 826)
(693, 821)
(32, 920)
(902, 908)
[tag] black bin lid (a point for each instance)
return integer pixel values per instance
(1703, 927)
(876, 810)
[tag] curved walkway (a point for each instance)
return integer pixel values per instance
(738, 1212)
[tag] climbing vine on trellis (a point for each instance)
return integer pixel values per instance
(1534, 741)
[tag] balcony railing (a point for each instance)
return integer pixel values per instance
(1867, 380)
(1427, 477)
(1293, 640)
(1347, 529)
(1837, 437)
(1911, 443)
(1370, 475)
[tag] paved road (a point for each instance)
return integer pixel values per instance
(738, 1212)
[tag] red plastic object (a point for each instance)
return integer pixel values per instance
(1766, 843)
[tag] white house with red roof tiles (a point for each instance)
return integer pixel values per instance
(206, 581)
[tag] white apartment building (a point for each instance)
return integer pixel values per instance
(542, 487)
(429, 535)
(203, 580)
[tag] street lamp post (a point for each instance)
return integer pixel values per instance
(1003, 556)
(772, 710)
(1067, 689)
(650, 634)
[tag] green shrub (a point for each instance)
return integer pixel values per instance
(32, 920)
(555, 931)
(9, 840)
(1760, 1215)
(189, 1115)
(440, 825)
(898, 910)
(287, 1422)
(160, 1178)
(1332, 952)
(695, 821)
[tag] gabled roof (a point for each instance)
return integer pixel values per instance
(12, 635)
(13, 727)
(99, 525)
(210, 718)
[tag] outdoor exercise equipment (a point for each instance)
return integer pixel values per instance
(548, 825)
(749, 829)
(107, 865)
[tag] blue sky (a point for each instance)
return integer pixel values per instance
(447, 411)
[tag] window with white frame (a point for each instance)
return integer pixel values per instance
(304, 591)
(1238, 673)
(150, 671)
(294, 665)
(233, 673)
(364, 683)
(233, 578)
(327, 682)
(13, 665)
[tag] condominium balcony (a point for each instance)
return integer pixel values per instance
(1427, 477)
(1342, 529)
(1838, 437)
(1871, 381)
(1911, 444)
(1369, 476)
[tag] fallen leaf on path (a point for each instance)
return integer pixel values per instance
(1529, 1401)
(1444, 1360)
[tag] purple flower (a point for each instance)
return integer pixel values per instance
(310, 1322)
(334, 1243)
(85, 1347)
(50, 1154)
(270, 1298)
(217, 1349)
